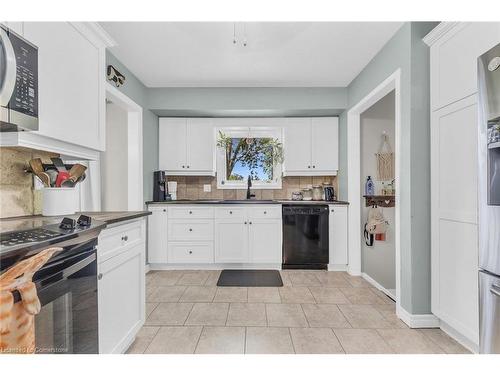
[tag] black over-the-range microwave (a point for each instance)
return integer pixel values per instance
(18, 82)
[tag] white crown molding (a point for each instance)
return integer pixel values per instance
(99, 32)
(440, 30)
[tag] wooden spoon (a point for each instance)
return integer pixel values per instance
(37, 168)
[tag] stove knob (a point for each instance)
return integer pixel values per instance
(84, 221)
(67, 223)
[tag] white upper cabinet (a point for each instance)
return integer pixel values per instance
(454, 60)
(71, 78)
(186, 146)
(311, 146)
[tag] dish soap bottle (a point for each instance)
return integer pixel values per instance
(369, 186)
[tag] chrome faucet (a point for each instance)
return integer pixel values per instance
(249, 185)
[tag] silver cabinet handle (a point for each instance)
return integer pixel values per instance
(99, 276)
(495, 289)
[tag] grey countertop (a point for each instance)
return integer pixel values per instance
(36, 221)
(245, 201)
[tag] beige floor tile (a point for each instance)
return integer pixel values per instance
(315, 341)
(362, 296)
(304, 278)
(333, 279)
(362, 341)
(231, 294)
(264, 340)
(444, 341)
(296, 294)
(193, 278)
(247, 315)
(389, 313)
(383, 296)
(172, 314)
(328, 295)
(142, 340)
(364, 316)
(325, 315)
(175, 340)
(166, 294)
(150, 306)
(357, 281)
(198, 294)
(264, 294)
(208, 314)
(285, 277)
(165, 278)
(221, 340)
(213, 277)
(285, 315)
(409, 341)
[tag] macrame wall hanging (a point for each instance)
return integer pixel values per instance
(385, 160)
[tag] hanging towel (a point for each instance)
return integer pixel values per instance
(376, 225)
(385, 160)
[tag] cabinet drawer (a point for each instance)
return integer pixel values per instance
(188, 230)
(191, 252)
(114, 240)
(190, 212)
(265, 212)
(229, 212)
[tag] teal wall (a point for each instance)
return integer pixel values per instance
(136, 91)
(407, 52)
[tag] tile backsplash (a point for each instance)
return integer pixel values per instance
(191, 187)
(17, 194)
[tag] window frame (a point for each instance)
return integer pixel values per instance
(243, 132)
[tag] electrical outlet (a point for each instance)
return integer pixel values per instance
(207, 188)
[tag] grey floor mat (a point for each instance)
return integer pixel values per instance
(251, 278)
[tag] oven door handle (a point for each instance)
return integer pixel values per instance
(9, 80)
(65, 273)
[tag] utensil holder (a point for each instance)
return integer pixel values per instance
(59, 201)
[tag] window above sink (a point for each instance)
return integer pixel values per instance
(254, 152)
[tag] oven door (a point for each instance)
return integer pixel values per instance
(67, 288)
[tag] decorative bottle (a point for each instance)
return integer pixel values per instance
(369, 186)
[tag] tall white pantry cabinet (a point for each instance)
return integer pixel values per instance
(454, 49)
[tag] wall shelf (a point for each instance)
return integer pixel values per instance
(380, 200)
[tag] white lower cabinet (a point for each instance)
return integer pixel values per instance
(338, 236)
(231, 241)
(265, 240)
(121, 287)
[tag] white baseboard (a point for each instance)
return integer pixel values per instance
(147, 268)
(215, 266)
(417, 320)
(457, 336)
(378, 286)
(337, 267)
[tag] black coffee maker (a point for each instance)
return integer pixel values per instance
(160, 190)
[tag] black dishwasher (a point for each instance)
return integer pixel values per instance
(305, 236)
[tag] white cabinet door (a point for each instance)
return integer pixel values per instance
(265, 245)
(454, 216)
(172, 144)
(121, 297)
(157, 235)
(454, 60)
(200, 146)
(325, 141)
(70, 83)
(231, 241)
(297, 146)
(338, 235)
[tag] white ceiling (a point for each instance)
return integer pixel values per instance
(278, 54)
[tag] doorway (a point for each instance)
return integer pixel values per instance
(378, 252)
(121, 163)
(355, 192)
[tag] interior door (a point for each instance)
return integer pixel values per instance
(297, 145)
(231, 241)
(265, 241)
(324, 149)
(172, 144)
(200, 145)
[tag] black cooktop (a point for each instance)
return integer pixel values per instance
(27, 236)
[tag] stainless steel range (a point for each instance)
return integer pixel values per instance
(489, 201)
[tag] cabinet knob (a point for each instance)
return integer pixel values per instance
(99, 276)
(190, 229)
(183, 167)
(250, 223)
(308, 166)
(314, 166)
(190, 212)
(164, 210)
(187, 166)
(190, 251)
(230, 212)
(125, 238)
(245, 222)
(265, 212)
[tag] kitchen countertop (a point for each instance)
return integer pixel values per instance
(245, 201)
(36, 221)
